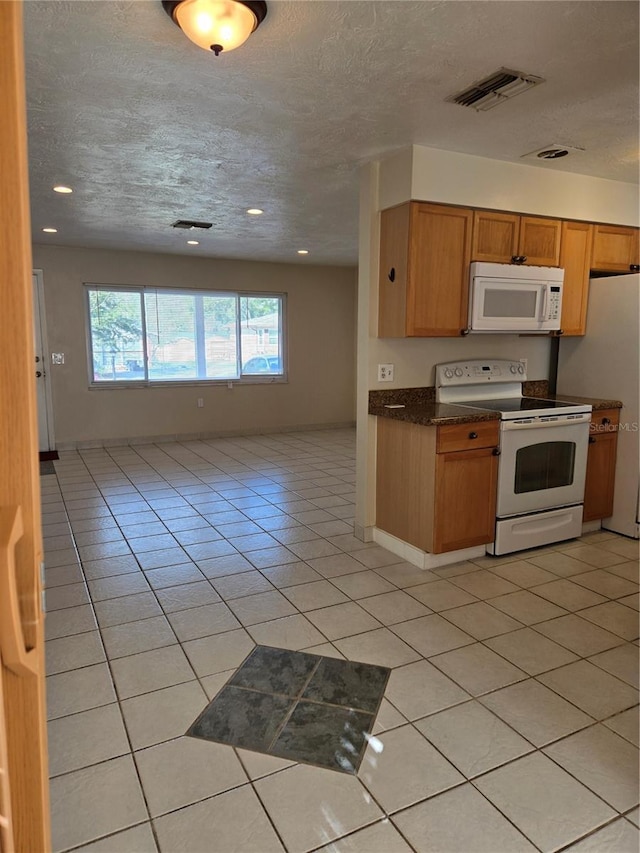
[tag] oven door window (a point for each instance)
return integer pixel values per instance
(549, 465)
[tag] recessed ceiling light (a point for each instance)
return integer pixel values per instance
(62, 189)
(255, 211)
(303, 251)
(193, 242)
(50, 230)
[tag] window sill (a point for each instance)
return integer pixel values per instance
(186, 383)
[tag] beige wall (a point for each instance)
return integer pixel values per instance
(320, 344)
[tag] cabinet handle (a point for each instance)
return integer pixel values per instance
(606, 421)
(392, 274)
(496, 451)
(592, 439)
(464, 332)
(634, 267)
(560, 332)
(473, 435)
(518, 259)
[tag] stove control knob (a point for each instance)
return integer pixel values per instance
(513, 368)
(448, 373)
(520, 368)
(458, 371)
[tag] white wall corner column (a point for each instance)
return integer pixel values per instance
(369, 239)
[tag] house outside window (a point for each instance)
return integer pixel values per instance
(148, 336)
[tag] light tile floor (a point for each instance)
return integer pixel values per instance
(510, 721)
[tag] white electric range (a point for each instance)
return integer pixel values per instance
(543, 452)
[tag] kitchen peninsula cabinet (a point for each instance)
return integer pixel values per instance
(501, 237)
(575, 257)
(436, 485)
(601, 465)
(425, 251)
(616, 248)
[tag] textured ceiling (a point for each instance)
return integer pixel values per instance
(147, 128)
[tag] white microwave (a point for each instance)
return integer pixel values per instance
(512, 298)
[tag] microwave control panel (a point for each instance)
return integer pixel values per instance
(554, 303)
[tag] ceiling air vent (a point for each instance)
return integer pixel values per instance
(190, 224)
(553, 151)
(495, 89)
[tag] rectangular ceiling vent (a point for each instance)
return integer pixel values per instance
(495, 89)
(190, 224)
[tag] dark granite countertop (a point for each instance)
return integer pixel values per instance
(419, 405)
(430, 413)
(595, 402)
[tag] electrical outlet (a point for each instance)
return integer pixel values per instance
(385, 373)
(57, 358)
(201, 402)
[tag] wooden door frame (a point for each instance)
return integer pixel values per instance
(24, 709)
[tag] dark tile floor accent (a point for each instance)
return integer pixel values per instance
(300, 706)
(46, 467)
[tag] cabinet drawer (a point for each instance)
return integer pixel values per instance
(467, 436)
(605, 420)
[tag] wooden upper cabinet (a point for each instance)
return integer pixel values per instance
(616, 248)
(575, 255)
(500, 237)
(540, 241)
(425, 251)
(495, 236)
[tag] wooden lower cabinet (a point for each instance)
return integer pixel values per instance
(465, 499)
(601, 465)
(437, 501)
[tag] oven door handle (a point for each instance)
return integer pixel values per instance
(512, 425)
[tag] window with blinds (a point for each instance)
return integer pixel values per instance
(157, 335)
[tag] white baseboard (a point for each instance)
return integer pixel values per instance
(591, 526)
(422, 559)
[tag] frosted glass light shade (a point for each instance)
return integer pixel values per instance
(218, 25)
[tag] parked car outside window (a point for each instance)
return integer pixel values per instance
(263, 364)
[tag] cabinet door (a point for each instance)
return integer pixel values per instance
(575, 258)
(394, 256)
(438, 275)
(601, 469)
(540, 241)
(465, 499)
(616, 248)
(495, 236)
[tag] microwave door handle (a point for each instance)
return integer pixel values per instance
(545, 300)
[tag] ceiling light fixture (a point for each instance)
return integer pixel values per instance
(193, 242)
(62, 189)
(217, 25)
(303, 251)
(255, 211)
(50, 230)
